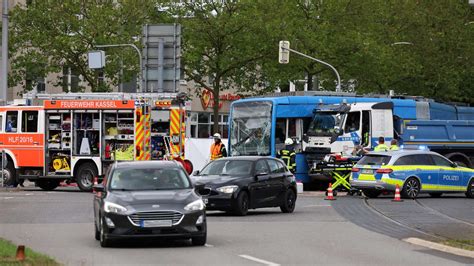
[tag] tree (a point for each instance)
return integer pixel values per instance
(223, 44)
(47, 36)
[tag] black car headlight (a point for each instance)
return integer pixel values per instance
(228, 189)
(110, 207)
(197, 205)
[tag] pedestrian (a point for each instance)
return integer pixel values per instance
(381, 146)
(218, 148)
(394, 145)
(288, 155)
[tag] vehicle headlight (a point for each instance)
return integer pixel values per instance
(114, 208)
(197, 205)
(228, 189)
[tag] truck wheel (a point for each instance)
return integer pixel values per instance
(470, 189)
(9, 175)
(411, 188)
(47, 184)
(85, 176)
(371, 193)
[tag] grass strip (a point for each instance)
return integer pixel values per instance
(8, 256)
(458, 243)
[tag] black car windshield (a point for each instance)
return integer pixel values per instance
(149, 179)
(228, 167)
(374, 160)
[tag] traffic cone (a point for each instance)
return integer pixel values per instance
(20, 253)
(397, 195)
(329, 195)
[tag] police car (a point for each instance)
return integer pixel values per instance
(413, 171)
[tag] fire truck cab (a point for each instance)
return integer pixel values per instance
(75, 137)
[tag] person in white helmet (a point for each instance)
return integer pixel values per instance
(218, 148)
(288, 155)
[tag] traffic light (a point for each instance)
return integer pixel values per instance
(284, 53)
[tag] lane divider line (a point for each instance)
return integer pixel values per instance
(259, 260)
(439, 247)
(208, 245)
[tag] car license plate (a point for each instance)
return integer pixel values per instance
(156, 223)
(367, 171)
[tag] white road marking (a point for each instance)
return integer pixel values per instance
(316, 205)
(7, 197)
(259, 260)
(440, 247)
(29, 194)
(208, 245)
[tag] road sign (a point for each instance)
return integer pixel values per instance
(96, 59)
(161, 57)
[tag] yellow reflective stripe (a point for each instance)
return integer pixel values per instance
(442, 187)
(364, 177)
(392, 181)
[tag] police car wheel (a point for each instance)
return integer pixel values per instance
(470, 189)
(411, 188)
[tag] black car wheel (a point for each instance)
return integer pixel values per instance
(470, 189)
(199, 240)
(47, 184)
(289, 204)
(242, 204)
(411, 188)
(371, 193)
(435, 195)
(104, 241)
(85, 176)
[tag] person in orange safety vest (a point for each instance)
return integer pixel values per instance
(218, 148)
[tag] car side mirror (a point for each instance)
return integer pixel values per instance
(200, 188)
(454, 165)
(338, 131)
(196, 172)
(98, 188)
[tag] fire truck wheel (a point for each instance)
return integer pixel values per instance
(85, 176)
(9, 175)
(47, 184)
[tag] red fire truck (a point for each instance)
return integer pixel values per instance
(75, 137)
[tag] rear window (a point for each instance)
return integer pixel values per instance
(374, 160)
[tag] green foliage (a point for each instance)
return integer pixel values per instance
(8, 253)
(47, 35)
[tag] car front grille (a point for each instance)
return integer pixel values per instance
(174, 216)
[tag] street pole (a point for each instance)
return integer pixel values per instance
(338, 87)
(4, 66)
(140, 83)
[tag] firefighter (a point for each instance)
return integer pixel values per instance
(288, 155)
(218, 148)
(394, 145)
(381, 146)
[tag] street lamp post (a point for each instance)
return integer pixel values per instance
(285, 46)
(140, 83)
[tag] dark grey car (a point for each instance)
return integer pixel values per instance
(153, 199)
(237, 184)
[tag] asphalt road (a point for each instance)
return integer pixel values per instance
(60, 223)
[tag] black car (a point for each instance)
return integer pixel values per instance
(153, 199)
(237, 184)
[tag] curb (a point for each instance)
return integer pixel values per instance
(439, 247)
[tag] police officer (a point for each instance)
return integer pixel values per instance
(288, 155)
(394, 145)
(381, 146)
(217, 148)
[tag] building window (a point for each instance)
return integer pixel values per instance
(201, 125)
